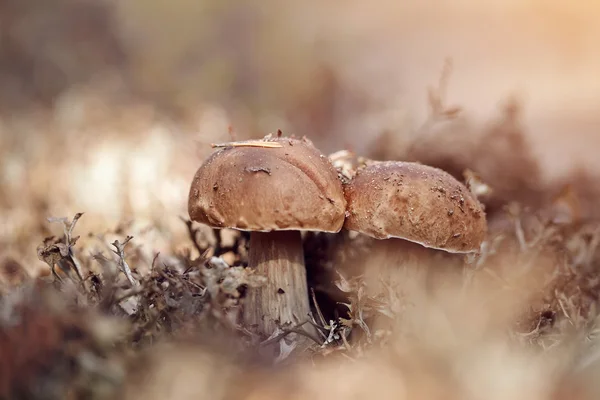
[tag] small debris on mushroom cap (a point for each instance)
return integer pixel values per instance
(476, 185)
(415, 202)
(347, 163)
(264, 188)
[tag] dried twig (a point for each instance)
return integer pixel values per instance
(154, 261)
(437, 97)
(120, 252)
(69, 241)
(131, 293)
(319, 313)
(319, 328)
(248, 143)
(345, 332)
(520, 234)
(295, 329)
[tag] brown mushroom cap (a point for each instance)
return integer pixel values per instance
(254, 188)
(417, 203)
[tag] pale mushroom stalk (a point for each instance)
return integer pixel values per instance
(279, 256)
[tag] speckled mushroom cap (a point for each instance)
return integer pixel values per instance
(417, 203)
(254, 188)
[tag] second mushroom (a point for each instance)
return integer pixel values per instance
(417, 203)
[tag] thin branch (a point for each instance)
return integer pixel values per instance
(287, 331)
(248, 143)
(69, 241)
(520, 234)
(120, 252)
(319, 313)
(345, 337)
(319, 328)
(154, 262)
(130, 293)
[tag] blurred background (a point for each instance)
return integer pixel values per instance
(108, 107)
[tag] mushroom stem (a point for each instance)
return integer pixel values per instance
(284, 298)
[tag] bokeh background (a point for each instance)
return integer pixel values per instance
(108, 107)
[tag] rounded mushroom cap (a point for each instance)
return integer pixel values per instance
(417, 203)
(271, 184)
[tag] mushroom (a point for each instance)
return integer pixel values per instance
(417, 203)
(274, 188)
(409, 209)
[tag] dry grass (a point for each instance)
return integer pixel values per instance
(517, 321)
